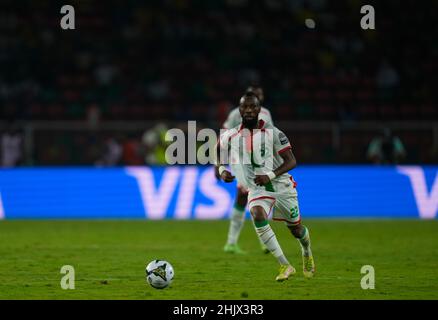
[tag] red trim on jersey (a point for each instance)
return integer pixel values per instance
(233, 135)
(270, 208)
(284, 149)
(266, 197)
(261, 123)
(294, 182)
(263, 197)
(292, 223)
(248, 142)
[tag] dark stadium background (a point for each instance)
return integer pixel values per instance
(130, 65)
(76, 102)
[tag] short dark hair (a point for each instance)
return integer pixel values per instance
(249, 94)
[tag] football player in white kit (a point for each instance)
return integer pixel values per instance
(237, 217)
(260, 157)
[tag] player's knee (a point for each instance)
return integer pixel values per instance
(258, 214)
(296, 229)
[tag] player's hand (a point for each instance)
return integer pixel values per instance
(226, 176)
(261, 180)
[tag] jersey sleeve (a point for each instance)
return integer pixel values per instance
(233, 119)
(265, 115)
(281, 141)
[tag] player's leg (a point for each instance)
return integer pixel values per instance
(259, 210)
(262, 244)
(236, 222)
(287, 209)
(301, 233)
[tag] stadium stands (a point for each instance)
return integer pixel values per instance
(179, 60)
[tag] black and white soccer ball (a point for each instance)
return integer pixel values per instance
(159, 274)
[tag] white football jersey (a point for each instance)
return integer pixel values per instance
(234, 118)
(256, 152)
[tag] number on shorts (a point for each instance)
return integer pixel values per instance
(294, 212)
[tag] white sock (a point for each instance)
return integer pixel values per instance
(267, 235)
(305, 243)
(236, 224)
(261, 241)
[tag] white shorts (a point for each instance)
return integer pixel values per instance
(284, 204)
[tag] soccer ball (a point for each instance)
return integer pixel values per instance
(159, 274)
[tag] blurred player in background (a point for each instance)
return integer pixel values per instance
(11, 143)
(386, 149)
(267, 180)
(112, 153)
(154, 145)
(237, 217)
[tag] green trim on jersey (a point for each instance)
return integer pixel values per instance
(269, 187)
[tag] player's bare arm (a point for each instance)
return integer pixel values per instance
(220, 170)
(216, 172)
(289, 163)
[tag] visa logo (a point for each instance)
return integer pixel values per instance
(156, 200)
(427, 203)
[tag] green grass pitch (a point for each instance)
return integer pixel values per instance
(110, 258)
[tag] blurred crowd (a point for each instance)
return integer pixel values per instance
(169, 61)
